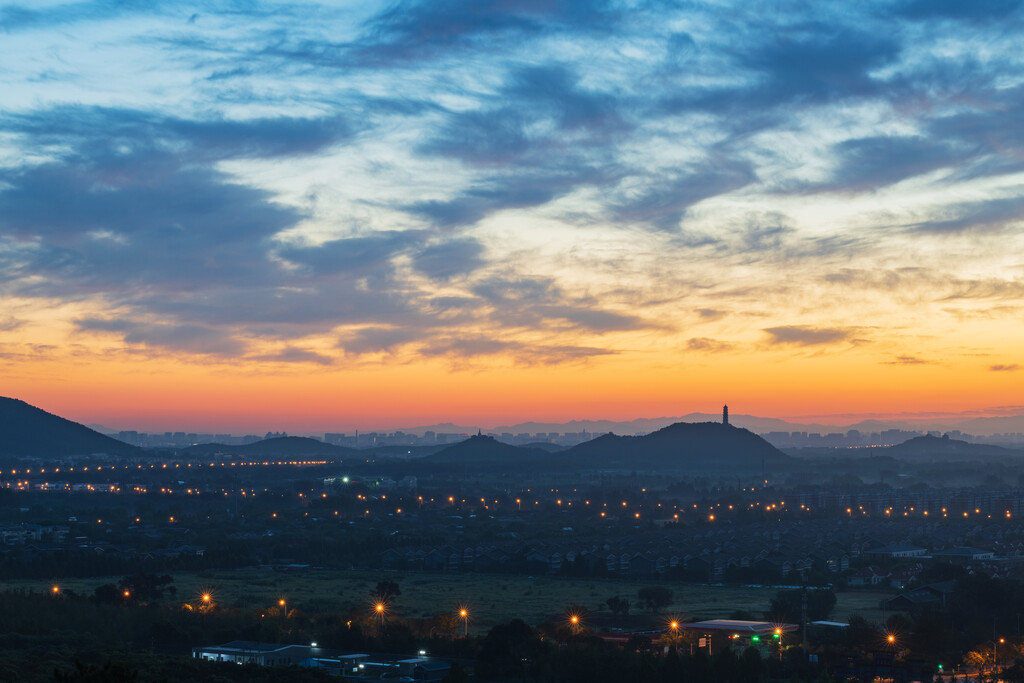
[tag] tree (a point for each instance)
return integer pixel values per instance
(751, 666)
(508, 650)
(638, 643)
(445, 624)
(787, 606)
(88, 673)
(107, 593)
(387, 590)
(1015, 673)
(457, 674)
(146, 587)
(861, 635)
(977, 658)
(655, 597)
(618, 605)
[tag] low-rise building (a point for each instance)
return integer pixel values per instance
(963, 554)
(251, 652)
(896, 551)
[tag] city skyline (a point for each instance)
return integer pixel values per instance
(225, 214)
(984, 427)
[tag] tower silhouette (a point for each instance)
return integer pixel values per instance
(725, 415)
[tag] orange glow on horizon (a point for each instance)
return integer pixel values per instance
(169, 394)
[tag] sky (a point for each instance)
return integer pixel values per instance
(242, 215)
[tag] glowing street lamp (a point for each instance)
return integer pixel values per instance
(673, 626)
(379, 609)
(464, 615)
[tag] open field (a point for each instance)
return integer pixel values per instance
(491, 599)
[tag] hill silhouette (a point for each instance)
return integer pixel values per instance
(27, 431)
(934, 447)
(683, 445)
(705, 446)
(277, 447)
(483, 452)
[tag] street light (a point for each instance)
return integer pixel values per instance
(464, 614)
(890, 639)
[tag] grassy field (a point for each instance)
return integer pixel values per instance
(490, 599)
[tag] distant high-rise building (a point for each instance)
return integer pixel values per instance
(725, 415)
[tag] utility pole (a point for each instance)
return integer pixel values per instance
(803, 614)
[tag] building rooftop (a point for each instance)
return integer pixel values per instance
(737, 626)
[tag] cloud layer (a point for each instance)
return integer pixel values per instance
(538, 182)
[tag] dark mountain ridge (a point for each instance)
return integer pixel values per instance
(27, 431)
(281, 446)
(683, 445)
(703, 446)
(484, 452)
(934, 447)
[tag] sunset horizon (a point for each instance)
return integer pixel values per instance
(494, 341)
(365, 215)
(326, 420)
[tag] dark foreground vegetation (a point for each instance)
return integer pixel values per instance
(79, 638)
(139, 630)
(828, 520)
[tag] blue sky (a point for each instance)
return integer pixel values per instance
(625, 186)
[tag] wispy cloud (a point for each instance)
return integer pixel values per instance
(295, 355)
(908, 360)
(527, 354)
(1011, 367)
(540, 181)
(434, 29)
(168, 337)
(801, 335)
(708, 345)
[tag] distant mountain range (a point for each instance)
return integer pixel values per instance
(277, 447)
(27, 431)
(485, 452)
(939, 448)
(706, 446)
(710, 445)
(981, 426)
